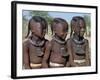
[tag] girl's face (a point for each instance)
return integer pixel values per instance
(37, 29)
(79, 28)
(61, 30)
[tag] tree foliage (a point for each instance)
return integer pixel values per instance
(87, 20)
(88, 24)
(43, 14)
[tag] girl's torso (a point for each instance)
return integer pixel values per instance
(36, 52)
(58, 53)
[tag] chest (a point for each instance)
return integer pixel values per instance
(37, 51)
(59, 49)
(79, 49)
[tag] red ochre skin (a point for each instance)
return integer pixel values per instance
(34, 45)
(78, 45)
(54, 52)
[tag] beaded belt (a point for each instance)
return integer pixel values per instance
(80, 61)
(56, 64)
(35, 65)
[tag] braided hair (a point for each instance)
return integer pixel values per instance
(75, 20)
(56, 21)
(39, 19)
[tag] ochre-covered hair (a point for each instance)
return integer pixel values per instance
(75, 20)
(39, 19)
(56, 21)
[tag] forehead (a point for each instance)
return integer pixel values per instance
(80, 23)
(32, 22)
(35, 24)
(61, 25)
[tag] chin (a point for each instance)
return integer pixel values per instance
(63, 38)
(42, 38)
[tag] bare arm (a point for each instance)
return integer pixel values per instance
(25, 56)
(70, 51)
(87, 53)
(45, 61)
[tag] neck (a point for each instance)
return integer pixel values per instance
(57, 37)
(36, 41)
(77, 37)
(35, 38)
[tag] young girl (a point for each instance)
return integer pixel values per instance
(34, 44)
(56, 54)
(78, 46)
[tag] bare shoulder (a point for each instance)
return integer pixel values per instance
(49, 44)
(68, 41)
(46, 41)
(25, 42)
(86, 41)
